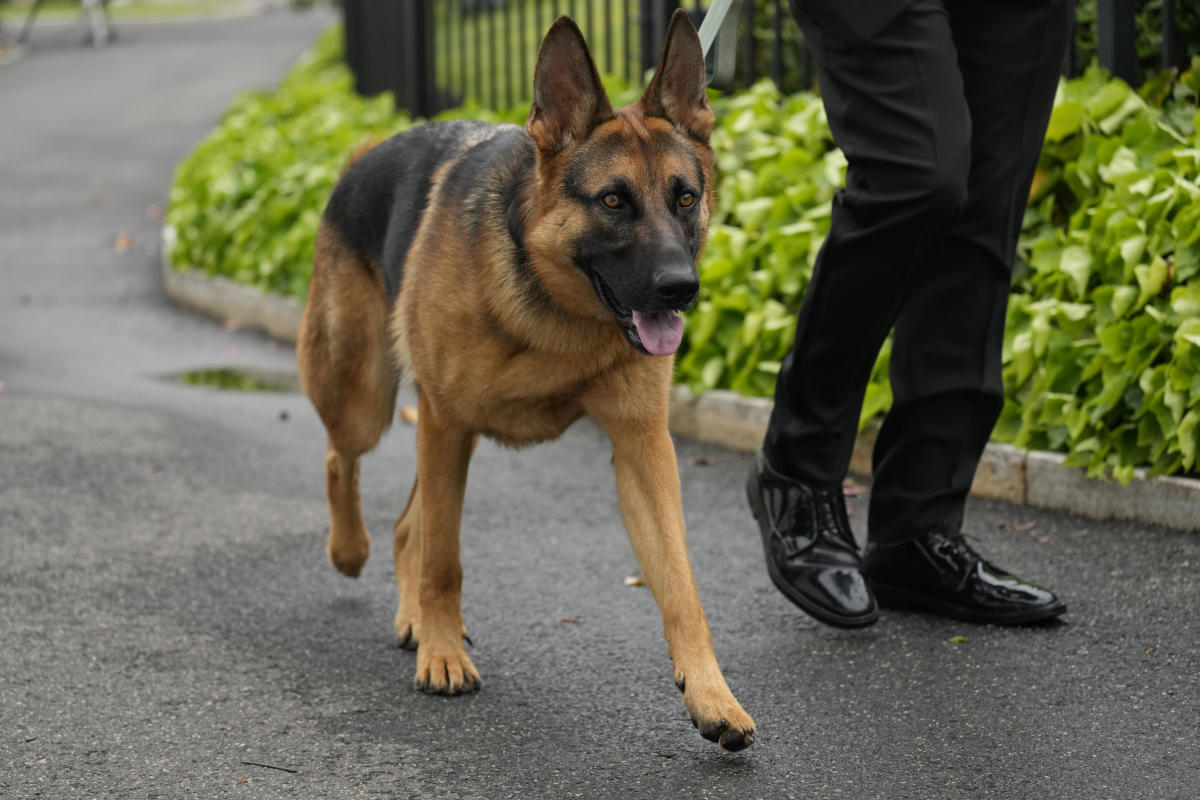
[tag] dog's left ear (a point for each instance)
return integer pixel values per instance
(568, 97)
(677, 92)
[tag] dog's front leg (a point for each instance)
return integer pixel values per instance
(649, 494)
(443, 453)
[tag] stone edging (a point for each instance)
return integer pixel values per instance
(1031, 478)
(230, 301)
(722, 417)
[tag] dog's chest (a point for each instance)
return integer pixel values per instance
(533, 398)
(519, 423)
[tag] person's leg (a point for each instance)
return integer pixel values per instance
(895, 107)
(894, 100)
(945, 363)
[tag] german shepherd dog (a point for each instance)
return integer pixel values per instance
(522, 278)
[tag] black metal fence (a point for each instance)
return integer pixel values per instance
(437, 54)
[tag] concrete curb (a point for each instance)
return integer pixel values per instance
(1005, 472)
(725, 418)
(232, 302)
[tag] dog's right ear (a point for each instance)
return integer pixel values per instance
(568, 98)
(676, 92)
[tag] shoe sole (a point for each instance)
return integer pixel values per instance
(785, 588)
(899, 598)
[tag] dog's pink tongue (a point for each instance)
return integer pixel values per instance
(660, 332)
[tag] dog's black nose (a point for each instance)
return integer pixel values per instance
(676, 289)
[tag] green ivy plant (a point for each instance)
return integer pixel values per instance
(246, 202)
(1102, 348)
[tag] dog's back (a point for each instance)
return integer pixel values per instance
(379, 204)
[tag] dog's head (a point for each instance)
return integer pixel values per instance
(624, 197)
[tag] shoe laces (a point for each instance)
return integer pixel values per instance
(829, 514)
(958, 544)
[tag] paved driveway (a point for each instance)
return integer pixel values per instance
(170, 627)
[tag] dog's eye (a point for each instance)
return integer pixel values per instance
(686, 199)
(612, 200)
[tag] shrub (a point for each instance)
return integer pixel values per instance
(1102, 349)
(246, 202)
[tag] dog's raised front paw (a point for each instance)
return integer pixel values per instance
(719, 718)
(729, 737)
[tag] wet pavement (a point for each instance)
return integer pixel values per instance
(171, 628)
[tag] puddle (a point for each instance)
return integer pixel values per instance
(240, 379)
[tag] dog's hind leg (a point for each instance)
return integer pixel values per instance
(443, 454)
(346, 370)
(406, 548)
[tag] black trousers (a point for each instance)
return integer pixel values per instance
(940, 107)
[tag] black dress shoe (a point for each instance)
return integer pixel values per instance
(811, 554)
(939, 572)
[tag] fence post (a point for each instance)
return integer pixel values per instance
(1172, 55)
(418, 78)
(653, 16)
(1115, 38)
(1068, 64)
(389, 47)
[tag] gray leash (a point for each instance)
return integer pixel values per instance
(720, 26)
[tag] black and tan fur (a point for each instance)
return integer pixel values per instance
(513, 274)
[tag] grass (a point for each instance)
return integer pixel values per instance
(134, 10)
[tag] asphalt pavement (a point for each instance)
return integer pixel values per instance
(171, 628)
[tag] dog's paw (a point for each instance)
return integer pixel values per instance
(718, 716)
(408, 631)
(348, 552)
(445, 670)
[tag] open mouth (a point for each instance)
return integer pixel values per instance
(655, 333)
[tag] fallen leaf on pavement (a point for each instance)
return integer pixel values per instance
(122, 242)
(1018, 526)
(568, 619)
(635, 580)
(283, 416)
(408, 414)
(958, 639)
(703, 461)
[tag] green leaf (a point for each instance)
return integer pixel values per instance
(1189, 331)
(1065, 120)
(1187, 433)
(1151, 278)
(1076, 263)
(711, 372)
(1107, 100)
